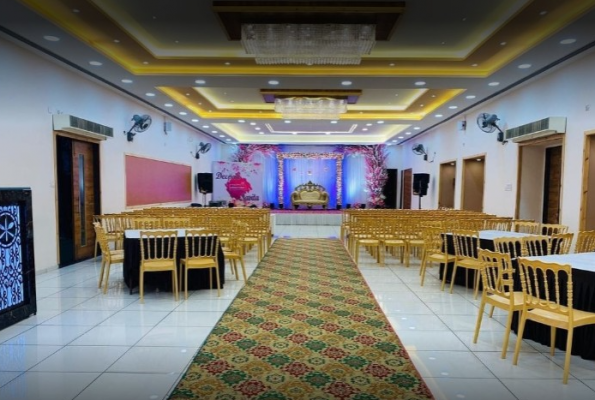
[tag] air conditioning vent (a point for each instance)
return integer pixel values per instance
(537, 129)
(79, 126)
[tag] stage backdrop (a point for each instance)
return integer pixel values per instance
(238, 183)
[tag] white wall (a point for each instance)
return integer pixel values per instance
(567, 91)
(31, 89)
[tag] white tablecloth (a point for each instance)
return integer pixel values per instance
(584, 261)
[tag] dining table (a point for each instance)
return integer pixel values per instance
(197, 278)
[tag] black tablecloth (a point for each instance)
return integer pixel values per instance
(197, 279)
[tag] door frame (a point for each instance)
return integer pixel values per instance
(480, 155)
(97, 177)
(585, 181)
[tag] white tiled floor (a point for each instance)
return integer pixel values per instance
(84, 345)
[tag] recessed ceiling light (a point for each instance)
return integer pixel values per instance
(420, 83)
(380, 122)
(273, 82)
(176, 41)
(365, 129)
(327, 133)
(475, 65)
(200, 81)
(471, 96)
(150, 94)
(168, 105)
(241, 121)
(126, 80)
(453, 107)
(183, 113)
(228, 139)
(524, 66)
(407, 133)
(395, 141)
(145, 62)
(214, 131)
(206, 126)
(76, 10)
(116, 41)
(368, 124)
(294, 133)
(187, 94)
(502, 43)
(257, 128)
(478, 159)
(417, 128)
(391, 64)
(493, 83)
(194, 120)
(400, 137)
(287, 121)
(543, 12)
(227, 63)
(252, 123)
(334, 122)
(261, 133)
(346, 83)
(51, 38)
(221, 135)
(438, 115)
(96, 63)
(567, 41)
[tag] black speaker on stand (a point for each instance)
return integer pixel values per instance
(420, 185)
(204, 181)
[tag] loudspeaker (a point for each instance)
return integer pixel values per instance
(205, 182)
(420, 184)
(338, 206)
(215, 203)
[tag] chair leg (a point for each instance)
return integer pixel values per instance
(506, 334)
(479, 318)
(243, 268)
(444, 273)
(552, 340)
(452, 279)
(186, 282)
(141, 286)
(218, 281)
(568, 355)
(106, 278)
(175, 283)
(519, 339)
(101, 272)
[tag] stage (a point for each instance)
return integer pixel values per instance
(306, 217)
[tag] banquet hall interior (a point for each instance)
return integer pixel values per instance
(439, 113)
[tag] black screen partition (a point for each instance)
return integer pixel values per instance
(17, 262)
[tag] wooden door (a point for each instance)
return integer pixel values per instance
(406, 188)
(83, 195)
(552, 184)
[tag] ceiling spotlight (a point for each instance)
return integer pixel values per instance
(150, 94)
(168, 105)
(567, 41)
(126, 80)
(200, 81)
(493, 83)
(420, 83)
(346, 83)
(471, 96)
(51, 38)
(524, 66)
(194, 120)
(96, 63)
(273, 82)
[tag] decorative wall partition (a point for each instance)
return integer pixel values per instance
(17, 263)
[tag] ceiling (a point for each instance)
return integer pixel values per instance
(432, 61)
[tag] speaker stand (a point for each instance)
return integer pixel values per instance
(419, 200)
(204, 199)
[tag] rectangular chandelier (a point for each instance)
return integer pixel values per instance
(310, 44)
(310, 107)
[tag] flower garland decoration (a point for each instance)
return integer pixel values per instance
(245, 151)
(376, 175)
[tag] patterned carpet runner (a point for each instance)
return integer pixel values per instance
(305, 326)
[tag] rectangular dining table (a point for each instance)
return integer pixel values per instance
(197, 278)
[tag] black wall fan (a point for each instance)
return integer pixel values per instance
(488, 123)
(141, 124)
(202, 149)
(419, 149)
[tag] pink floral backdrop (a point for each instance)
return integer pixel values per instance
(238, 183)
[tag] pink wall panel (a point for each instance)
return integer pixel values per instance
(155, 182)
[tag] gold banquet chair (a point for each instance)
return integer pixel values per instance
(108, 256)
(539, 278)
(158, 249)
(201, 253)
(560, 243)
(466, 243)
(585, 242)
(434, 251)
(498, 290)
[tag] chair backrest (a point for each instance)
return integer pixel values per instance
(498, 224)
(158, 245)
(523, 226)
(175, 222)
(497, 273)
(536, 245)
(201, 243)
(102, 239)
(510, 245)
(466, 243)
(547, 286)
(560, 243)
(551, 229)
(585, 242)
(433, 239)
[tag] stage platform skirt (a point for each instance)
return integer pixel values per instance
(306, 217)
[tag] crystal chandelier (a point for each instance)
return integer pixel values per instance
(330, 44)
(310, 107)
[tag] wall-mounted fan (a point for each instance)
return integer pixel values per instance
(141, 124)
(488, 123)
(419, 149)
(201, 149)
